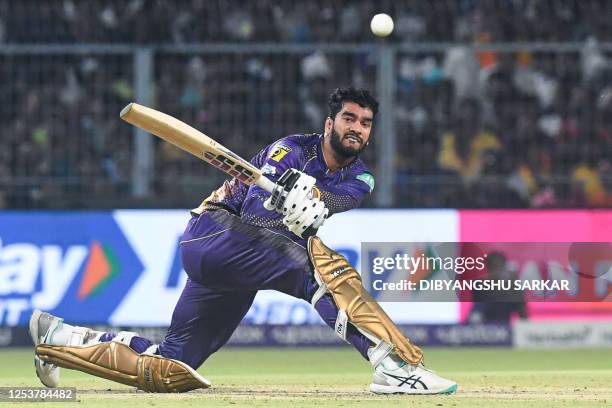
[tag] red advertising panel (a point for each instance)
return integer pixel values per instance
(541, 228)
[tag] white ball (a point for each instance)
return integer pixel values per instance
(381, 25)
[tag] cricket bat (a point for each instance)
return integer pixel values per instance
(195, 142)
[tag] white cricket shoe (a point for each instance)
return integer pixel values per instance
(405, 378)
(41, 325)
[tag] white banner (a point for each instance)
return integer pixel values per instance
(562, 334)
(154, 236)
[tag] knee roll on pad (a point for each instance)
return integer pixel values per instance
(336, 276)
(117, 362)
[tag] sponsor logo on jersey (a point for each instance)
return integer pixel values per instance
(368, 179)
(279, 151)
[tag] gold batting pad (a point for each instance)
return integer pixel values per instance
(118, 362)
(344, 284)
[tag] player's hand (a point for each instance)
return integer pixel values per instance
(312, 213)
(293, 189)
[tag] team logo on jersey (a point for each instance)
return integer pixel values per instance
(279, 151)
(368, 179)
(268, 169)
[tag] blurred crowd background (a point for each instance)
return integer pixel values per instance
(189, 21)
(496, 103)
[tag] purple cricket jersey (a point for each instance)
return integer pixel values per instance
(342, 190)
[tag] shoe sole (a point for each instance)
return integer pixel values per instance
(386, 389)
(34, 335)
(34, 326)
(45, 381)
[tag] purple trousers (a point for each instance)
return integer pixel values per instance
(227, 262)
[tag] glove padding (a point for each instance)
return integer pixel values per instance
(311, 214)
(296, 197)
(292, 190)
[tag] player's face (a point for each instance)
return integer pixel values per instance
(350, 130)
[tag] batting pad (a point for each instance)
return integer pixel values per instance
(118, 362)
(335, 275)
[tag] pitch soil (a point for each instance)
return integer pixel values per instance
(339, 377)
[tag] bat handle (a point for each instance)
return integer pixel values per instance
(266, 184)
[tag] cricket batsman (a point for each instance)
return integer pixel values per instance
(242, 239)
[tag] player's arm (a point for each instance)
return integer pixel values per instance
(348, 194)
(232, 193)
(296, 197)
(293, 195)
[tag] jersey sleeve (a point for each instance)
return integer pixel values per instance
(272, 160)
(275, 159)
(349, 194)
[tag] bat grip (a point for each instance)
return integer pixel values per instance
(266, 184)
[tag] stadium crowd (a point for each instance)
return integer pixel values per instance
(484, 128)
(188, 21)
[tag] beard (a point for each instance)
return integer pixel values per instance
(344, 151)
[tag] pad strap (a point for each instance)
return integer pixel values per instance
(378, 353)
(342, 325)
(152, 350)
(125, 337)
(78, 335)
(321, 291)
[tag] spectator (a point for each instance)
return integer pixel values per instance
(591, 184)
(498, 306)
(462, 149)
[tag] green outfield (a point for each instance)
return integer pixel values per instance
(339, 377)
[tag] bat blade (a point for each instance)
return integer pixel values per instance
(195, 142)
